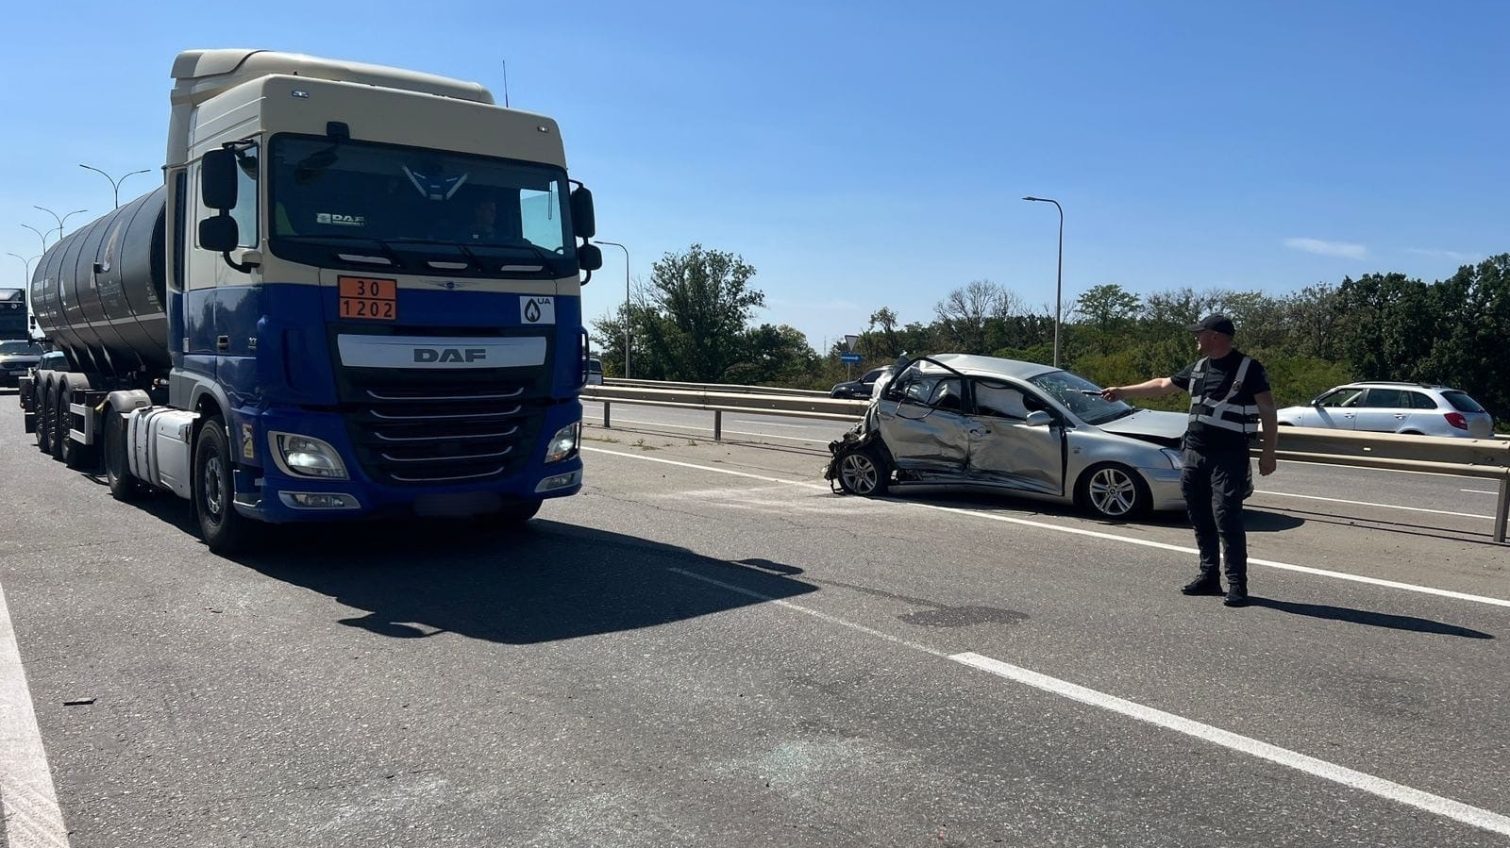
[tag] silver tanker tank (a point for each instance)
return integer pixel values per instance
(100, 293)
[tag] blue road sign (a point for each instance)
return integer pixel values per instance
(850, 358)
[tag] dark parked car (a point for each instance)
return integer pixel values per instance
(18, 356)
(858, 389)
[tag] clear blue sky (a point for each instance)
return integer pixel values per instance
(862, 155)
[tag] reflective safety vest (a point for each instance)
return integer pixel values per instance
(1223, 413)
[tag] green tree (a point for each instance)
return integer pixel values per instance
(1108, 306)
(694, 314)
(779, 355)
(965, 315)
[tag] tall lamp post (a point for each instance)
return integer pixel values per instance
(115, 184)
(27, 263)
(61, 221)
(628, 316)
(1059, 280)
(41, 235)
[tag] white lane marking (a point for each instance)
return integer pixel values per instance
(832, 619)
(1362, 781)
(1382, 506)
(28, 801)
(1478, 491)
(726, 430)
(1096, 534)
(1378, 786)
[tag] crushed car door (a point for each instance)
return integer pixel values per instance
(924, 426)
(1005, 449)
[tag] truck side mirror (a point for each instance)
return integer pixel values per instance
(219, 233)
(217, 180)
(589, 257)
(582, 215)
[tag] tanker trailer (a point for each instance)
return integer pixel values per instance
(356, 294)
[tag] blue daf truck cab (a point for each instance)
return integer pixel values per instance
(356, 294)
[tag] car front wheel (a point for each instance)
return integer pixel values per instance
(864, 472)
(1114, 491)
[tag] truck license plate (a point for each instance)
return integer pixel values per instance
(369, 298)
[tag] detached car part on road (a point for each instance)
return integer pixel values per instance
(1017, 427)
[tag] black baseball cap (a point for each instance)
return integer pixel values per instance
(1218, 322)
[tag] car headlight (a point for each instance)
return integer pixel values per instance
(307, 456)
(1176, 459)
(564, 444)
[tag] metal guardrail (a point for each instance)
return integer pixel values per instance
(714, 387)
(1483, 458)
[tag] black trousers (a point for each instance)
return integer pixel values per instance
(1214, 484)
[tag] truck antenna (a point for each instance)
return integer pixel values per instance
(505, 83)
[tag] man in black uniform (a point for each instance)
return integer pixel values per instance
(1229, 396)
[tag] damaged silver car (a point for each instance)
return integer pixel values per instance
(1016, 427)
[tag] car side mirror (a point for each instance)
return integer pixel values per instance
(1038, 419)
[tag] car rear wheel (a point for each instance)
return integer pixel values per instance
(864, 472)
(1114, 491)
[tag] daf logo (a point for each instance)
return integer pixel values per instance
(450, 354)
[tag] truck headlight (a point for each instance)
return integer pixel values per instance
(306, 456)
(1176, 459)
(565, 443)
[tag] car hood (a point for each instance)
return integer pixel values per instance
(11, 359)
(1150, 425)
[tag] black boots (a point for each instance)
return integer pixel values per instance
(1206, 584)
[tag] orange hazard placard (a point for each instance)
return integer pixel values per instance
(368, 297)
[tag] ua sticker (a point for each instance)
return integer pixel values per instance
(537, 310)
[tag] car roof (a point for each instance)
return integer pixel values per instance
(988, 366)
(1362, 384)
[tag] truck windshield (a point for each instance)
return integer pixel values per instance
(333, 198)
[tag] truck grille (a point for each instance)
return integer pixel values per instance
(410, 435)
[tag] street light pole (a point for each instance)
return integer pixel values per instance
(41, 235)
(1059, 279)
(628, 321)
(26, 262)
(61, 220)
(115, 184)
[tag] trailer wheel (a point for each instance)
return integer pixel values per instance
(57, 404)
(44, 417)
(123, 487)
(224, 530)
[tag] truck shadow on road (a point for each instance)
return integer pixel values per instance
(546, 582)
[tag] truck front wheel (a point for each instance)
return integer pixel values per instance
(123, 486)
(224, 530)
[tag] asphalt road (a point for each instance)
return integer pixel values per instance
(707, 647)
